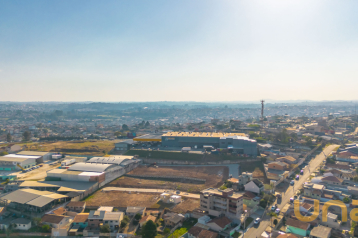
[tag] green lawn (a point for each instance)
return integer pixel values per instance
(247, 222)
(184, 229)
(236, 234)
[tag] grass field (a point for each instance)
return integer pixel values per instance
(95, 147)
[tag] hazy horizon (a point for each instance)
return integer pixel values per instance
(199, 51)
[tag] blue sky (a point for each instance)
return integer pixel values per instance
(178, 50)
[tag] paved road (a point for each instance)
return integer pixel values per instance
(149, 190)
(257, 231)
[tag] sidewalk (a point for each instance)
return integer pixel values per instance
(149, 190)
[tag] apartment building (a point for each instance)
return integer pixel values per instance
(222, 202)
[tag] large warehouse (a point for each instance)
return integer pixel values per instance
(235, 141)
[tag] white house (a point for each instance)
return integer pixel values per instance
(254, 186)
(22, 224)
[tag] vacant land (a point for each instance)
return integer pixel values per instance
(122, 199)
(96, 148)
(214, 175)
(188, 204)
(169, 155)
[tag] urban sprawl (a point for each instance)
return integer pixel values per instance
(178, 169)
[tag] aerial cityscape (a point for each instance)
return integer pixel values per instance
(179, 119)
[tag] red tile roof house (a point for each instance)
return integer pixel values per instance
(76, 206)
(55, 221)
(219, 224)
(198, 232)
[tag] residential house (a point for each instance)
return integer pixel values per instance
(332, 180)
(287, 160)
(342, 167)
(132, 211)
(95, 219)
(321, 232)
(219, 224)
(244, 178)
(59, 211)
(22, 224)
(198, 232)
(254, 186)
(55, 221)
(235, 184)
(222, 202)
(332, 221)
(113, 219)
(250, 199)
(81, 219)
(286, 235)
(105, 208)
(76, 206)
(278, 166)
(174, 220)
(145, 219)
(297, 227)
(313, 190)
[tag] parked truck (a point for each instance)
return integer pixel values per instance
(68, 162)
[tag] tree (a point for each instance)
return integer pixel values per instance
(284, 221)
(36, 221)
(149, 229)
(8, 137)
(126, 218)
(275, 222)
(355, 179)
(147, 124)
(125, 127)
(166, 231)
(26, 136)
(138, 216)
(123, 223)
(3, 153)
(272, 214)
(105, 229)
(263, 203)
(46, 228)
(346, 200)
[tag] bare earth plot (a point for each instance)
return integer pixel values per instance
(94, 147)
(188, 204)
(122, 199)
(214, 176)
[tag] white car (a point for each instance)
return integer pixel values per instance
(257, 221)
(277, 211)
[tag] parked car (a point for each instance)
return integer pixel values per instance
(291, 200)
(297, 177)
(277, 211)
(292, 182)
(257, 221)
(273, 208)
(301, 172)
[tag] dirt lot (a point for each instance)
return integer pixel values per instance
(96, 148)
(188, 204)
(122, 199)
(214, 175)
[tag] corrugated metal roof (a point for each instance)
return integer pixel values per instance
(32, 197)
(38, 153)
(40, 201)
(89, 167)
(110, 160)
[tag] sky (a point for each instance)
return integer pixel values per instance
(187, 50)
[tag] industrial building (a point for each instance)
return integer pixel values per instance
(124, 145)
(237, 142)
(16, 163)
(43, 156)
(32, 202)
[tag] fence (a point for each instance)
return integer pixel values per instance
(169, 178)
